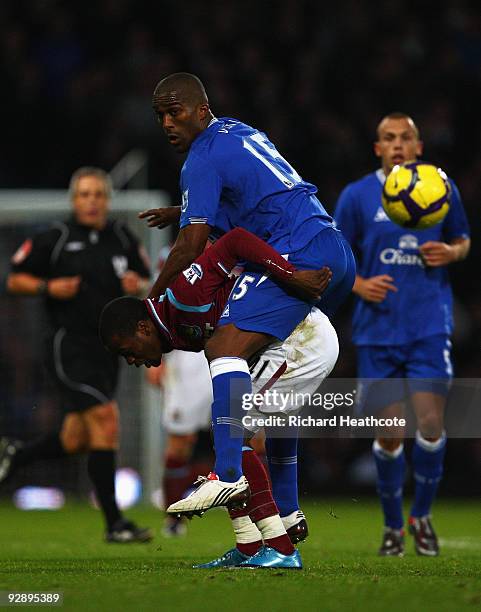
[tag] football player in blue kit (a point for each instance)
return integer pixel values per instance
(401, 326)
(234, 176)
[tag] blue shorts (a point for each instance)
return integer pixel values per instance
(258, 303)
(423, 365)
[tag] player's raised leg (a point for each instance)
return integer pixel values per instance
(231, 381)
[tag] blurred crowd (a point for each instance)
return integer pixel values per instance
(315, 76)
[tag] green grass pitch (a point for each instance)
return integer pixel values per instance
(52, 551)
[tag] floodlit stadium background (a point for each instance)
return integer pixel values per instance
(315, 76)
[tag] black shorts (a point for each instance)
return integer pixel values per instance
(84, 372)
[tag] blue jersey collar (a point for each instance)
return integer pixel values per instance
(205, 133)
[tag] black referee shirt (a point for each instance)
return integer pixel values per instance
(101, 258)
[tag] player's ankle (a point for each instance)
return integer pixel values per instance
(282, 544)
(249, 548)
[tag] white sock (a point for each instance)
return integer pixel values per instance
(387, 454)
(245, 530)
(430, 447)
(271, 527)
(292, 519)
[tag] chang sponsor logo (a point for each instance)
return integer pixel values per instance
(399, 257)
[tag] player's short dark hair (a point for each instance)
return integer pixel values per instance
(90, 171)
(399, 115)
(188, 84)
(120, 317)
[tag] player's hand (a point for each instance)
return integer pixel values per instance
(132, 283)
(161, 217)
(436, 254)
(309, 284)
(64, 288)
(374, 289)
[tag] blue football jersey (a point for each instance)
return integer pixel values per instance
(422, 306)
(235, 177)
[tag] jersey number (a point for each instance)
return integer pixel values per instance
(241, 288)
(265, 152)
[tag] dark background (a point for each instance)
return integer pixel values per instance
(77, 80)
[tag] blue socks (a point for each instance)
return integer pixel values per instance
(428, 458)
(390, 479)
(230, 381)
(282, 460)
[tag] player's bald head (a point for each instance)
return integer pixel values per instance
(180, 87)
(396, 116)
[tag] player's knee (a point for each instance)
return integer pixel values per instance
(74, 442)
(74, 434)
(103, 425)
(431, 425)
(109, 429)
(389, 444)
(219, 345)
(180, 448)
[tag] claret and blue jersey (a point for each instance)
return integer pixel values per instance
(422, 306)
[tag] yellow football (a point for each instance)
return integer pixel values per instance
(416, 195)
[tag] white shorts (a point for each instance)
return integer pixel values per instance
(187, 393)
(294, 368)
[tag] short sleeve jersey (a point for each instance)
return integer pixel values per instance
(235, 177)
(101, 258)
(422, 306)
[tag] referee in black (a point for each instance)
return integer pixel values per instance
(79, 266)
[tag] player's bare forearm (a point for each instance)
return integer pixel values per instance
(189, 245)
(436, 253)
(461, 248)
(25, 284)
(357, 287)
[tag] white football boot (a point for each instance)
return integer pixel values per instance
(211, 493)
(296, 526)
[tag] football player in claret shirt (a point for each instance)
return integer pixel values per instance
(234, 176)
(402, 325)
(78, 266)
(183, 318)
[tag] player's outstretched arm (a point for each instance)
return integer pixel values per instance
(189, 245)
(240, 245)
